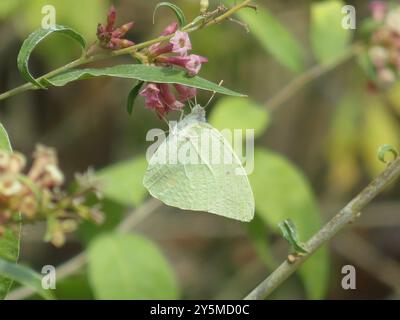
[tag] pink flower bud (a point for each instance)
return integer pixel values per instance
(121, 31)
(111, 17)
(151, 93)
(169, 99)
(170, 29)
(185, 93)
(120, 43)
(158, 49)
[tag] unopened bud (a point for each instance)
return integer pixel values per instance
(28, 206)
(9, 186)
(17, 162)
(393, 20)
(378, 56)
(69, 226)
(4, 161)
(58, 238)
(53, 177)
(204, 4)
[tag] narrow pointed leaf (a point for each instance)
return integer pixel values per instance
(275, 38)
(9, 241)
(25, 276)
(142, 73)
(178, 11)
(132, 96)
(34, 39)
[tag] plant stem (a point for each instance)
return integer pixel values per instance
(347, 215)
(130, 50)
(305, 78)
(78, 261)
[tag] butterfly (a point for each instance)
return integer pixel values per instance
(195, 168)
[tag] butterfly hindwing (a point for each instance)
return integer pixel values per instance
(205, 184)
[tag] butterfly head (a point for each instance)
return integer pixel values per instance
(198, 114)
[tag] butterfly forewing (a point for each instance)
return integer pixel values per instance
(195, 168)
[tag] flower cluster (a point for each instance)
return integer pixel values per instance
(111, 37)
(162, 98)
(174, 52)
(384, 51)
(37, 195)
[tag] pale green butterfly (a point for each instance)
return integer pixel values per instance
(204, 183)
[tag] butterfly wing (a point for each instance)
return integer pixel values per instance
(204, 181)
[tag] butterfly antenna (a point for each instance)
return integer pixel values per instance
(190, 104)
(165, 120)
(182, 114)
(213, 95)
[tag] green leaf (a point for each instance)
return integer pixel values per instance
(275, 38)
(122, 182)
(126, 267)
(9, 241)
(328, 38)
(289, 232)
(142, 73)
(58, 50)
(282, 192)
(33, 40)
(5, 144)
(132, 96)
(384, 150)
(239, 113)
(178, 11)
(25, 276)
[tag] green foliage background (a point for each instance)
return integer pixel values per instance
(312, 153)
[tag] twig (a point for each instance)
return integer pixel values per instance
(77, 262)
(347, 215)
(305, 78)
(130, 50)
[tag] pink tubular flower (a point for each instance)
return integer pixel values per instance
(181, 43)
(185, 93)
(194, 64)
(110, 37)
(158, 97)
(191, 63)
(151, 93)
(169, 99)
(159, 48)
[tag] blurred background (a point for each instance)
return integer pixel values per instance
(316, 147)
